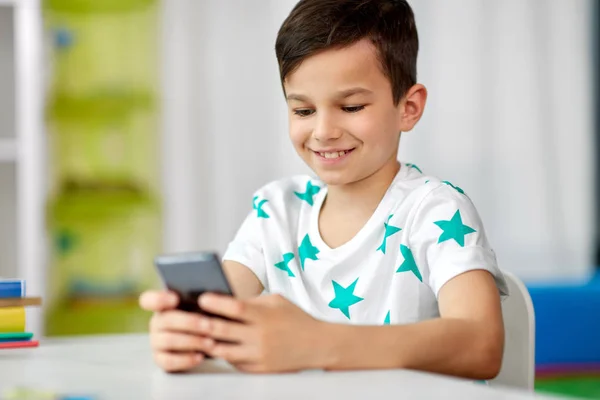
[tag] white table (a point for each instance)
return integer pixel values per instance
(121, 367)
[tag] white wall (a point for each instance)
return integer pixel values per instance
(509, 120)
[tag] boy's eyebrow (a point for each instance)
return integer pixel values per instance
(352, 91)
(339, 95)
(299, 97)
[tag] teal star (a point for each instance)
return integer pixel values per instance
(409, 263)
(387, 319)
(459, 190)
(454, 229)
(409, 165)
(260, 213)
(307, 250)
(344, 297)
(307, 196)
(283, 265)
(389, 231)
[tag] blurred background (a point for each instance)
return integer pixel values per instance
(130, 128)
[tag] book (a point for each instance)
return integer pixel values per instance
(20, 302)
(11, 288)
(15, 336)
(19, 344)
(12, 319)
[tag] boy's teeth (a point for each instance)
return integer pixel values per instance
(335, 154)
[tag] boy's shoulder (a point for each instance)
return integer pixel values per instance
(420, 187)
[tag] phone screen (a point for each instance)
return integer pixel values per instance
(189, 275)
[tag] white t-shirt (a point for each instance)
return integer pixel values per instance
(423, 233)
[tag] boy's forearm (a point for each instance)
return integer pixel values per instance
(448, 346)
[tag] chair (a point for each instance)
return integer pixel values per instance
(518, 364)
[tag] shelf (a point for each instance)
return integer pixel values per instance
(8, 149)
(29, 166)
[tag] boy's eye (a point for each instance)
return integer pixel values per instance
(352, 109)
(304, 112)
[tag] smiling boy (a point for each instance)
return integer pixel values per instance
(371, 265)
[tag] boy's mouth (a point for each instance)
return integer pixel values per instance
(330, 155)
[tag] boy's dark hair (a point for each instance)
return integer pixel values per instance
(317, 25)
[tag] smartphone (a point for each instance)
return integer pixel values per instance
(191, 274)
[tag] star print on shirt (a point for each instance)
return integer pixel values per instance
(409, 165)
(459, 190)
(344, 297)
(260, 213)
(307, 196)
(386, 321)
(409, 264)
(389, 231)
(307, 251)
(454, 229)
(283, 265)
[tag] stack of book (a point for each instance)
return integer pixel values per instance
(13, 300)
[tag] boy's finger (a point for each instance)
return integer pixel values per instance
(176, 321)
(220, 329)
(158, 300)
(177, 362)
(233, 353)
(229, 307)
(180, 342)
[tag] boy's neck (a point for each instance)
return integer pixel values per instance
(366, 193)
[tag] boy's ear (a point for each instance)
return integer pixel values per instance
(412, 106)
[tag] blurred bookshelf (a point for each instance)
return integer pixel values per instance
(103, 210)
(79, 159)
(22, 186)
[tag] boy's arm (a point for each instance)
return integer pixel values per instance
(244, 283)
(467, 340)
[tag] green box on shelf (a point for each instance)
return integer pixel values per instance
(103, 245)
(110, 140)
(99, 45)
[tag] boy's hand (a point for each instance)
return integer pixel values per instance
(175, 336)
(272, 335)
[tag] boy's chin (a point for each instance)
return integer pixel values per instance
(335, 178)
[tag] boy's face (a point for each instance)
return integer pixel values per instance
(342, 118)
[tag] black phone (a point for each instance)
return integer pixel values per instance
(192, 274)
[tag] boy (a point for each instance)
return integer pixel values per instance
(373, 264)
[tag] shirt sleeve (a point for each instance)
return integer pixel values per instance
(246, 248)
(448, 238)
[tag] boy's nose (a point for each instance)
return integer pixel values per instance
(326, 129)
